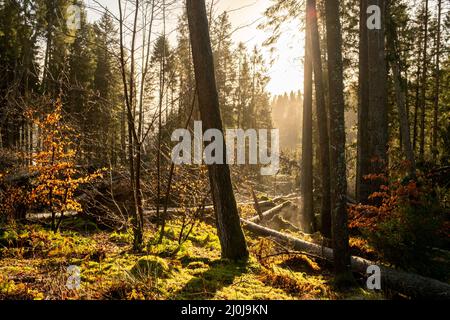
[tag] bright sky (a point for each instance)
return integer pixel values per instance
(286, 72)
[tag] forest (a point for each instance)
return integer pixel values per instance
(224, 150)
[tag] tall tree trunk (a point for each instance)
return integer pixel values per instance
(229, 230)
(49, 39)
(338, 172)
(437, 86)
(374, 117)
(162, 76)
(378, 106)
(423, 95)
(400, 92)
(417, 99)
(322, 123)
(307, 218)
(363, 150)
(134, 146)
(123, 153)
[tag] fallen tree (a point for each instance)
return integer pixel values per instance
(412, 285)
(270, 213)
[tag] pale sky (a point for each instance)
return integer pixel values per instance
(286, 72)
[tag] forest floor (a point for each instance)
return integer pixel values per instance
(34, 265)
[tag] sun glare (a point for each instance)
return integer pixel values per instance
(286, 69)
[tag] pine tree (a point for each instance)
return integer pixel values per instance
(106, 117)
(341, 250)
(373, 108)
(307, 213)
(229, 230)
(224, 65)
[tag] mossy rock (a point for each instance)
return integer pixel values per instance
(151, 266)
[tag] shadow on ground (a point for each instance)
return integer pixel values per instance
(206, 284)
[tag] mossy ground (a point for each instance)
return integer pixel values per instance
(34, 261)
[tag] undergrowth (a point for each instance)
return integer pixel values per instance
(34, 261)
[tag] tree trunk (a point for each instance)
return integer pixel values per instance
(49, 39)
(435, 151)
(229, 230)
(270, 213)
(417, 99)
(378, 106)
(363, 150)
(373, 118)
(123, 142)
(322, 123)
(337, 132)
(307, 212)
(134, 146)
(423, 95)
(400, 92)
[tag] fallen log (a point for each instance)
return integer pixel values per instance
(46, 215)
(286, 197)
(282, 224)
(412, 285)
(270, 213)
(265, 205)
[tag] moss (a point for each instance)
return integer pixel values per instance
(210, 277)
(223, 280)
(193, 270)
(250, 287)
(128, 290)
(298, 284)
(300, 263)
(360, 247)
(166, 249)
(196, 265)
(14, 267)
(121, 237)
(35, 241)
(8, 237)
(151, 266)
(10, 290)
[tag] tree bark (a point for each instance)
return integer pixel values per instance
(435, 151)
(417, 98)
(134, 145)
(373, 122)
(363, 150)
(229, 230)
(423, 95)
(322, 123)
(307, 212)
(400, 92)
(337, 132)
